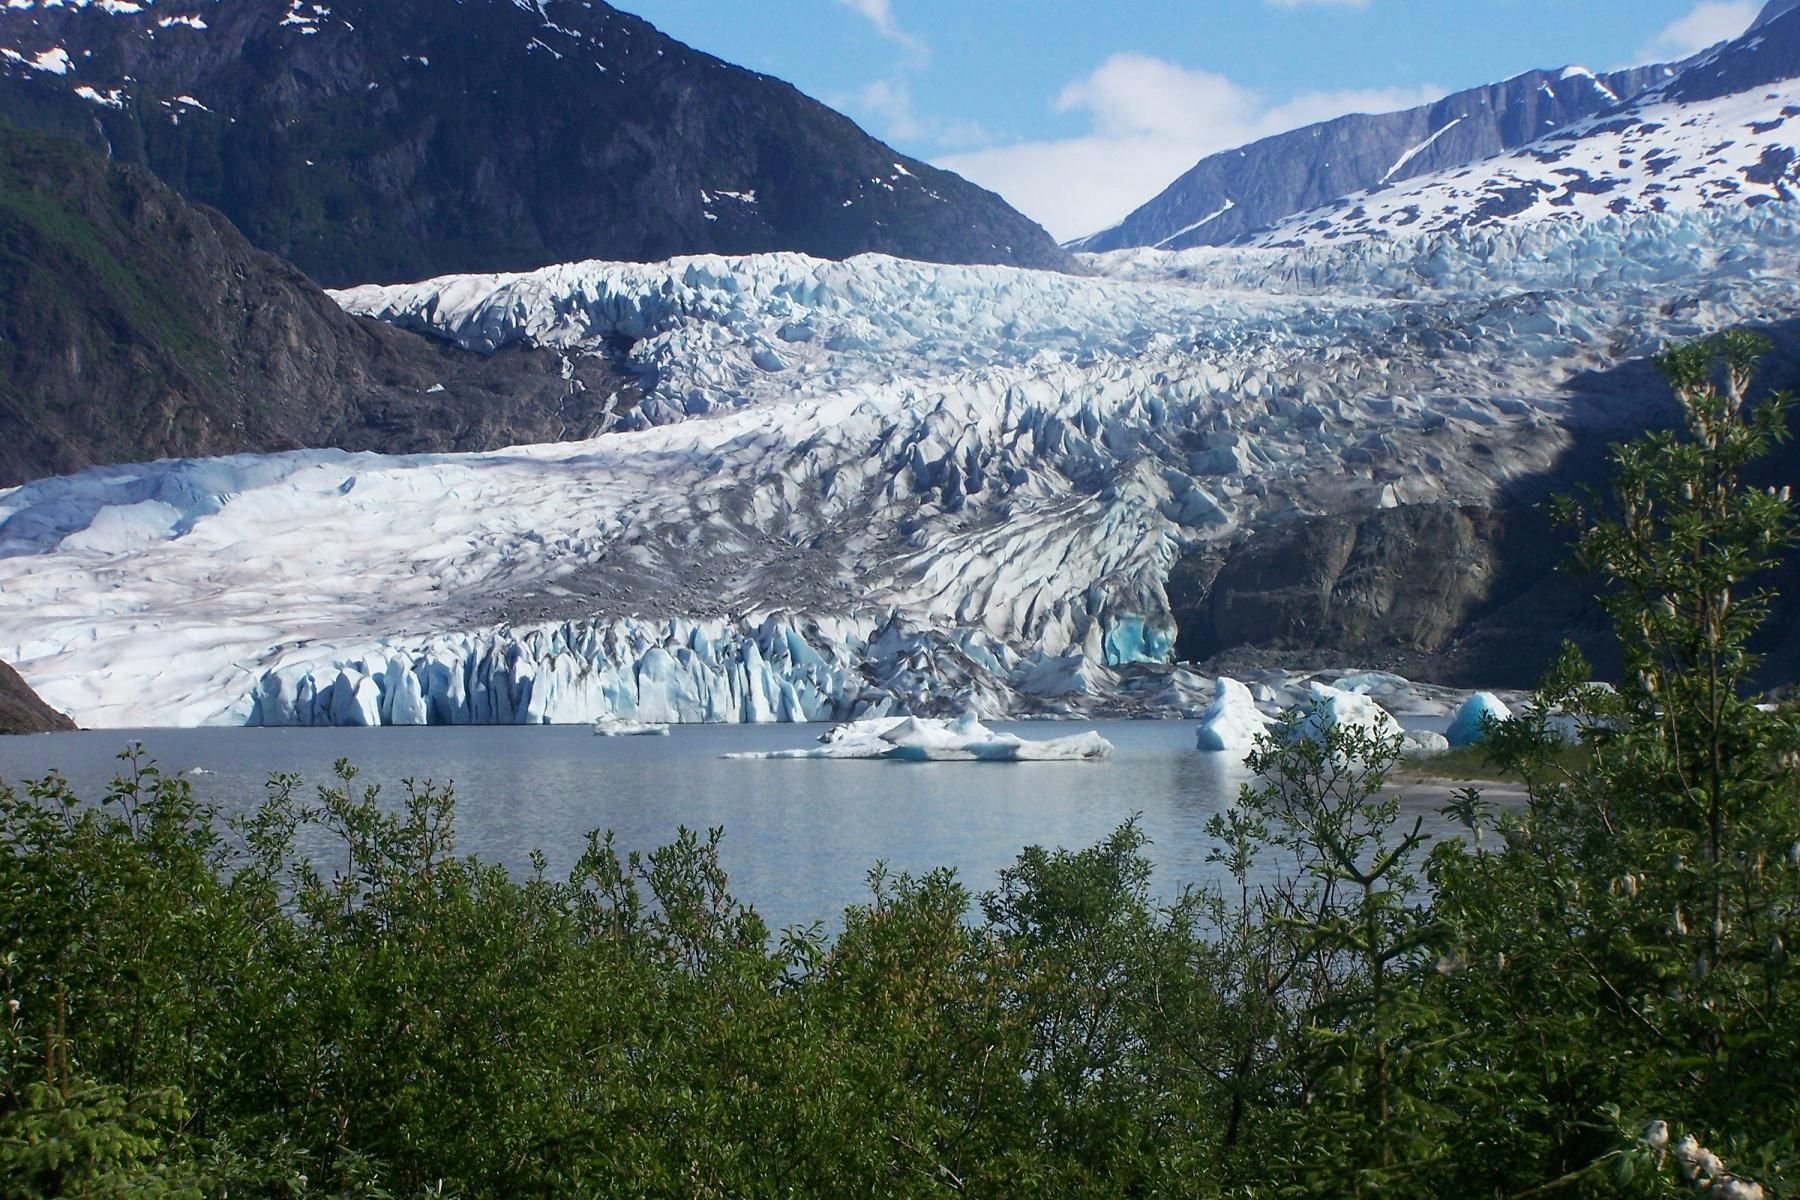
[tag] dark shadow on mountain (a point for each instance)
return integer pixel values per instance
(1464, 595)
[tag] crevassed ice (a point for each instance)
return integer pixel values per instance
(957, 488)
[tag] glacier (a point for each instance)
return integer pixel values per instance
(856, 489)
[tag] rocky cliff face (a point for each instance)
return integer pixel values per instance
(1472, 595)
(134, 325)
(21, 711)
(1452, 594)
(375, 140)
(1229, 195)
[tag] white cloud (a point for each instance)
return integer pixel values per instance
(886, 106)
(1710, 21)
(1150, 121)
(880, 13)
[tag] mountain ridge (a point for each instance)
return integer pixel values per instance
(23, 710)
(382, 140)
(1239, 191)
(1718, 133)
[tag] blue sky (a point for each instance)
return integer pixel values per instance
(1077, 112)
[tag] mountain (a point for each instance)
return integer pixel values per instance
(1234, 193)
(396, 139)
(134, 325)
(1722, 132)
(1773, 9)
(20, 709)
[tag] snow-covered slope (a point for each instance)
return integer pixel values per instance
(854, 487)
(1238, 192)
(1709, 130)
(1654, 156)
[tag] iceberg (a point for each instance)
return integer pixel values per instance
(614, 727)
(1423, 743)
(916, 739)
(1332, 708)
(1467, 726)
(1232, 721)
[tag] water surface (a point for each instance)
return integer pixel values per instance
(800, 837)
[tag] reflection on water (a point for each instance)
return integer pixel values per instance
(800, 837)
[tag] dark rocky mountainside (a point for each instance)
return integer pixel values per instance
(1455, 595)
(134, 325)
(1471, 595)
(21, 711)
(1229, 195)
(1767, 53)
(381, 140)
(1771, 10)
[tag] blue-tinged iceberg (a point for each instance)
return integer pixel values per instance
(1468, 727)
(1232, 721)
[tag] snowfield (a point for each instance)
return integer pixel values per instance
(855, 489)
(1653, 156)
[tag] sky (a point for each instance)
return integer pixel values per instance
(1077, 112)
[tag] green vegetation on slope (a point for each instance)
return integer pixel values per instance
(1590, 996)
(134, 325)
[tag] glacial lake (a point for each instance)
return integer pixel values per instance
(800, 836)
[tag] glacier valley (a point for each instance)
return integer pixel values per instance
(857, 488)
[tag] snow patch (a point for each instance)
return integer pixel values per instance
(1208, 219)
(1400, 163)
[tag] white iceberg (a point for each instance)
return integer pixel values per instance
(917, 739)
(1332, 708)
(1466, 727)
(617, 727)
(1232, 721)
(1423, 743)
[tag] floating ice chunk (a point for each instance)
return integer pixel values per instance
(1232, 721)
(916, 739)
(1423, 743)
(1331, 708)
(1466, 726)
(615, 727)
(1373, 683)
